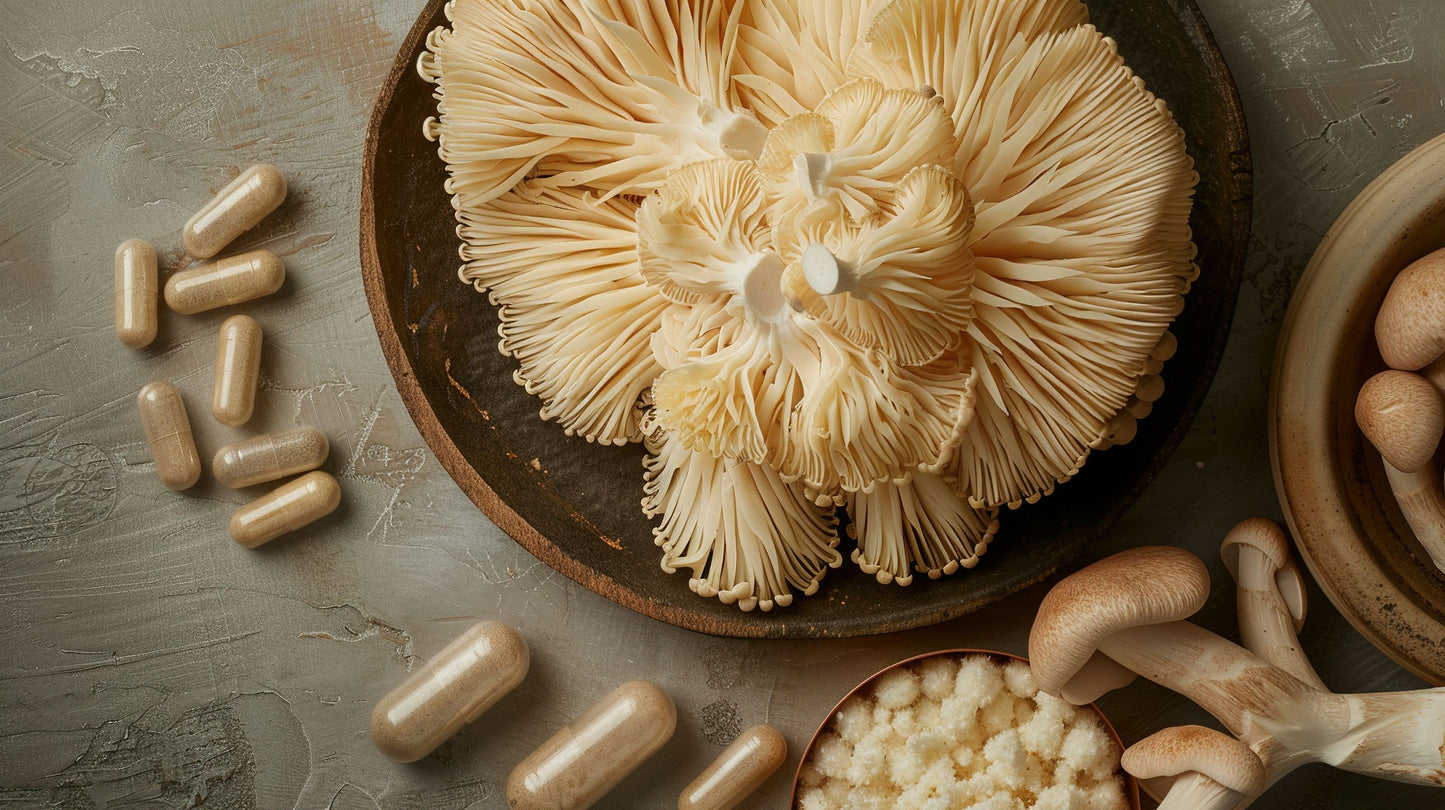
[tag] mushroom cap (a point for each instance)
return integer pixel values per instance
(1270, 539)
(1165, 755)
(1403, 416)
(1141, 586)
(1410, 328)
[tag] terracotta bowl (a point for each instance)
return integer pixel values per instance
(576, 507)
(1131, 785)
(1331, 482)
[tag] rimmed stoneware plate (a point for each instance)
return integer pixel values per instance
(1330, 480)
(576, 506)
(1131, 785)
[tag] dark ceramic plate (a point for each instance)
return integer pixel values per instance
(576, 506)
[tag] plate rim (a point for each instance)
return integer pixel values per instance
(496, 509)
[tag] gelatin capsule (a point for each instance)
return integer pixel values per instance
(168, 433)
(285, 509)
(453, 689)
(738, 771)
(238, 365)
(136, 290)
(270, 456)
(586, 759)
(228, 281)
(234, 210)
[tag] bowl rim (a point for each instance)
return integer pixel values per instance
(1131, 784)
(1300, 416)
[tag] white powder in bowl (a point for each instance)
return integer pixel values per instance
(962, 731)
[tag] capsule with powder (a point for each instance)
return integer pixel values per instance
(168, 433)
(737, 772)
(470, 674)
(136, 291)
(587, 758)
(235, 209)
(285, 509)
(238, 366)
(227, 281)
(270, 456)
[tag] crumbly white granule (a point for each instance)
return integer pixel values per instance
(967, 732)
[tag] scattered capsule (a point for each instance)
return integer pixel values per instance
(228, 281)
(287, 508)
(238, 365)
(234, 210)
(453, 689)
(270, 456)
(168, 432)
(136, 290)
(738, 771)
(1151, 388)
(586, 759)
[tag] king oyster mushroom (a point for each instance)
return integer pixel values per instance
(1128, 609)
(908, 259)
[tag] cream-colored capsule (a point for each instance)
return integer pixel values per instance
(453, 689)
(738, 771)
(238, 366)
(136, 290)
(586, 759)
(228, 281)
(270, 456)
(286, 508)
(168, 432)
(234, 210)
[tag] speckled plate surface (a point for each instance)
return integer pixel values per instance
(1331, 482)
(576, 506)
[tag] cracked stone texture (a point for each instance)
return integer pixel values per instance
(151, 661)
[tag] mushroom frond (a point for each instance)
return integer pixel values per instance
(956, 48)
(574, 309)
(901, 283)
(1083, 254)
(544, 89)
(919, 526)
(875, 136)
(732, 401)
(791, 53)
(705, 233)
(744, 535)
(864, 419)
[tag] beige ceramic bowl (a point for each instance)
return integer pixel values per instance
(1330, 480)
(1131, 786)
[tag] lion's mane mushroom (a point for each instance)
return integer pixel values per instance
(1284, 720)
(1403, 416)
(909, 258)
(1195, 768)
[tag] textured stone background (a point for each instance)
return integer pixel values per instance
(150, 662)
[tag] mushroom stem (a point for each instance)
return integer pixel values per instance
(1270, 596)
(1265, 624)
(1422, 501)
(1195, 791)
(826, 273)
(1393, 735)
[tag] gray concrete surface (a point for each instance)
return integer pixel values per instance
(148, 661)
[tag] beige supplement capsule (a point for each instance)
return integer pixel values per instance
(136, 291)
(234, 210)
(238, 366)
(738, 771)
(453, 689)
(285, 509)
(228, 281)
(590, 756)
(270, 456)
(168, 432)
